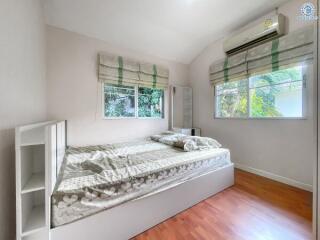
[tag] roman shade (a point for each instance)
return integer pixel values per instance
(229, 69)
(119, 70)
(152, 75)
(290, 50)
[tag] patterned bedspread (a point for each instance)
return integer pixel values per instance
(96, 178)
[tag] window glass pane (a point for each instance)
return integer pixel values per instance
(150, 102)
(277, 94)
(231, 99)
(234, 87)
(119, 101)
(282, 76)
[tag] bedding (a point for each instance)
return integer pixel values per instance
(185, 142)
(96, 178)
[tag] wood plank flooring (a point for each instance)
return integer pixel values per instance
(255, 208)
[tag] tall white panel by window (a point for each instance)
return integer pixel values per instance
(181, 107)
(187, 107)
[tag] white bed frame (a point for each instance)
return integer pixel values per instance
(129, 219)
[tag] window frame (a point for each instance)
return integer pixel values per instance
(305, 76)
(136, 108)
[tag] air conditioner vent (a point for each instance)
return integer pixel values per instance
(253, 43)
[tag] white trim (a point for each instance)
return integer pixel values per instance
(261, 118)
(276, 177)
(126, 118)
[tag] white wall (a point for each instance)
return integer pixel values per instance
(22, 90)
(282, 149)
(74, 93)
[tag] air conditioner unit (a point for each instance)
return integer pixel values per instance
(269, 28)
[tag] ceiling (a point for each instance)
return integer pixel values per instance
(175, 30)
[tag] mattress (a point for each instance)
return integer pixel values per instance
(96, 178)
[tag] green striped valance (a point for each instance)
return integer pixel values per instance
(292, 49)
(123, 71)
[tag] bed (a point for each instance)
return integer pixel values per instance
(116, 191)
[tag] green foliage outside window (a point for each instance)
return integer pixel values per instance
(150, 102)
(232, 99)
(264, 93)
(119, 101)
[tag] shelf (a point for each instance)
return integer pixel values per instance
(41, 234)
(34, 136)
(32, 144)
(35, 221)
(32, 167)
(35, 183)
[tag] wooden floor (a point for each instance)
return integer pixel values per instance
(255, 208)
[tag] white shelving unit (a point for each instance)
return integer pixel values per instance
(33, 179)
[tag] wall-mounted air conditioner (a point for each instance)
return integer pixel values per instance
(265, 30)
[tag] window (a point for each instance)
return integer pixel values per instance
(150, 102)
(119, 101)
(231, 99)
(278, 94)
(132, 102)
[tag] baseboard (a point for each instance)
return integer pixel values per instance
(275, 177)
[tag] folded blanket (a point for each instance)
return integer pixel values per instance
(187, 143)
